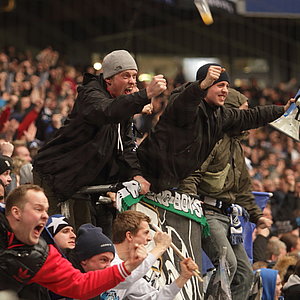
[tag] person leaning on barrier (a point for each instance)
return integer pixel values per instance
(26, 258)
(193, 121)
(223, 182)
(95, 145)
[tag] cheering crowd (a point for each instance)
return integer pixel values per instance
(63, 128)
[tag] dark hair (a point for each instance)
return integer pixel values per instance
(129, 220)
(290, 240)
(17, 197)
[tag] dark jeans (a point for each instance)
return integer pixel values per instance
(103, 215)
(79, 206)
(241, 275)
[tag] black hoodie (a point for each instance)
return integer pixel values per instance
(84, 151)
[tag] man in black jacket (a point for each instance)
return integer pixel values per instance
(194, 120)
(95, 145)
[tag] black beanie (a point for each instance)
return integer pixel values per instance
(5, 163)
(202, 72)
(91, 241)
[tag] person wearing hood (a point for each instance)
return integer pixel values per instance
(95, 145)
(271, 284)
(291, 289)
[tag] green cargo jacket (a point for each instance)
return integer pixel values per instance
(224, 176)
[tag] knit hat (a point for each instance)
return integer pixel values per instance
(91, 241)
(56, 223)
(116, 62)
(235, 99)
(5, 163)
(202, 72)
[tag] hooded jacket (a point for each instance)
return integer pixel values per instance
(269, 277)
(234, 183)
(85, 151)
(291, 288)
(187, 132)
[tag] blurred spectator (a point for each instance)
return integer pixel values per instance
(21, 151)
(291, 289)
(18, 162)
(285, 219)
(283, 264)
(6, 148)
(2, 192)
(6, 166)
(275, 250)
(292, 242)
(271, 284)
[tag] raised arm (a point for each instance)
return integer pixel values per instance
(58, 275)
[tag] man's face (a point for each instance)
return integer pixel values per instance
(122, 83)
(267, 213)
(23, 153)
(2, 193)
(98, 262)
(143, 236)
(65, 238)
(31, 218)
(5, 177)
(217, 93)
(278, 287)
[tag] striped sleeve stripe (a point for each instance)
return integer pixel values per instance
(123, 270)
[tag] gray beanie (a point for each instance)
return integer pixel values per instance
(116, 62)
(91, 241)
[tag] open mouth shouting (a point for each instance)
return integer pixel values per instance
(38, 229)
(128, 91)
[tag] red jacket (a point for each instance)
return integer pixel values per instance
(58, 275)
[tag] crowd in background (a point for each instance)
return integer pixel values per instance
(37, 93)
